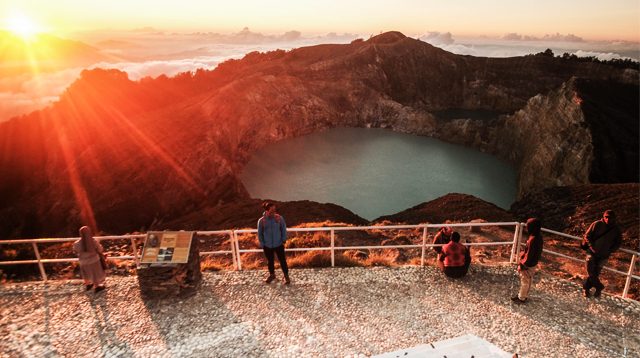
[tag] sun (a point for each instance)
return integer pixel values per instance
(22, 26)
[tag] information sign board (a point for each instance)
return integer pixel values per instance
(167, 247)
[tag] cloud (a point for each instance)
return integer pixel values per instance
(599, 55)
(25, 93)
(156, 39)
(510, 48)
(557, 37)
(170, 54)
(145, 46)
(291, 36)
(461, 49)
(333, 37)
(562, 38)
(487, 50)
(209, 56)
(15, 104)
(245, 36)
(515, 44)
(137, 70)
(438, 38)
(512, 37)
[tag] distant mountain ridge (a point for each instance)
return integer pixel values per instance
(124, 155)
(44, 53)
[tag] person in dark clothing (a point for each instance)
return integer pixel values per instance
(272, 234)
(442, 237)
(602, 239)
(528, 263)
(455, 258)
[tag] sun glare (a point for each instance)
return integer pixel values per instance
(22, 26)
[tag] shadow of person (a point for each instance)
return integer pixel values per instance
(47, 302)
(202, 324)
(107, 328)
(602, 325)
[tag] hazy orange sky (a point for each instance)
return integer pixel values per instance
(589, 19)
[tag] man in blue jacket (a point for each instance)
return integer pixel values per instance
(272, 234)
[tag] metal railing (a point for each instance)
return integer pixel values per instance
(236, 252)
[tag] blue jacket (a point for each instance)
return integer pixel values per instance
(272, 231)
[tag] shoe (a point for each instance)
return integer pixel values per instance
(88, 287)
(517, 300)
(99, 288)
(287, 280)
(597, 293)
(270, 278)
(587, 294)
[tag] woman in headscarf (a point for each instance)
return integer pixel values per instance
(88, 250)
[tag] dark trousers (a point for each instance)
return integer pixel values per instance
(594, 267)
(268, 253)
(456, 271)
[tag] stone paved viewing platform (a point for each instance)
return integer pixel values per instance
(333, 312)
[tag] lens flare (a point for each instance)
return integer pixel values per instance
(22, 26)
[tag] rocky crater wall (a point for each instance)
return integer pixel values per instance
(124, 155)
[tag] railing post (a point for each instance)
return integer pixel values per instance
(628, 283)
(514, 248)
(235, 238)
(424, 244)
(520, 234)
(135, 251)
(333, 252)
(233, 250)
(40, 266)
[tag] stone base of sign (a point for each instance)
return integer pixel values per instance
(171, 280)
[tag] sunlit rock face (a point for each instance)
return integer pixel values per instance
(127, 155)
(549, 140)
(583, 132)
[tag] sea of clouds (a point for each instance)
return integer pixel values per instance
(150, 53)
(514, 44)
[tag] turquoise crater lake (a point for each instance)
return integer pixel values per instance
(375, 172)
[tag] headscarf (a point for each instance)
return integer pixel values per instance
(87, 242)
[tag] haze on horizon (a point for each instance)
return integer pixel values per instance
(588, 19)
(147, 39)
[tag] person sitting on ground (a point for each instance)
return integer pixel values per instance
(89, 251)
(442, 237)
(455, 258)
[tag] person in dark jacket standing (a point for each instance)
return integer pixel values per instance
(601, 239)
(529, 259)
(272, 234)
